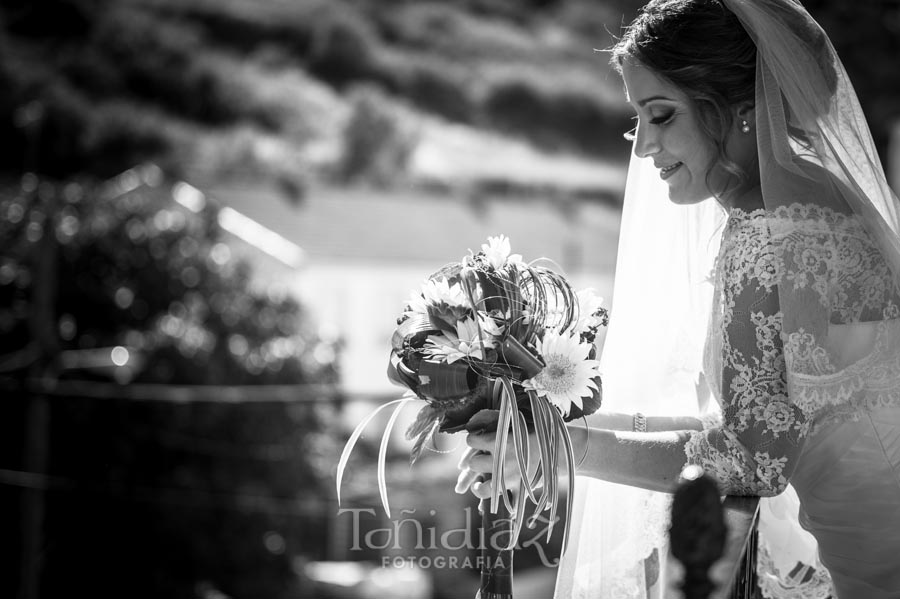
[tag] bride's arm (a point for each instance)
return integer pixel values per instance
(618, 421)
(648, 460)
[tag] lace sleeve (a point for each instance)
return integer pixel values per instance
(754, 450)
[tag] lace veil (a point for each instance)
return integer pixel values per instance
(820, 177)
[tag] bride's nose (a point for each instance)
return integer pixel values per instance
(646, 141)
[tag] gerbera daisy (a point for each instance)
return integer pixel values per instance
(436, 293)
(568, 374)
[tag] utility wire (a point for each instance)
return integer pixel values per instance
(236, 394)
(308, 505)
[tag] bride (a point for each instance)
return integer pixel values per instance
(756, 315)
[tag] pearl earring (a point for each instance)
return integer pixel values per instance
(745, 127)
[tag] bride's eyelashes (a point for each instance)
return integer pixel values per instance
(664, 119)
(631, 133)
(659, 121)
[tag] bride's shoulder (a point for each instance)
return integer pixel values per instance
(808, 197)
(807, 191)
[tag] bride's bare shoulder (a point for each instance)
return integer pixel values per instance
(811, 183)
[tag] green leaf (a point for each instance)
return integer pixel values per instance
(354, 437)
(382, 455)
(423, 437)
(424, 421)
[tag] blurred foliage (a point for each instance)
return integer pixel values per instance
(157, 497)
(378, 139)
(133, 80)
(137, 269)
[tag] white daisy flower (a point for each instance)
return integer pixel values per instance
(497, 251)
(464, 344)
(567, 375)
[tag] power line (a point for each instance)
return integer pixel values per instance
(233, 394)
(308, 505)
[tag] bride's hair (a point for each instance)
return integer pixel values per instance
(701, 47)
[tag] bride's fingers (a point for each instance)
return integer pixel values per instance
(481, 441)
(475, 459)
(466, 479)
(466, 456)
(482, 462)
(482, 489)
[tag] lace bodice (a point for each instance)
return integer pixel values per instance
(778, 378)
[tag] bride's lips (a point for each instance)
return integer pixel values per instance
(667, 171)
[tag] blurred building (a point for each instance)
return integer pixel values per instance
(364, 250)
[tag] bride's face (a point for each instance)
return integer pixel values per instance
(669, 132)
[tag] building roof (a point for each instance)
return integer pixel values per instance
(359, 224)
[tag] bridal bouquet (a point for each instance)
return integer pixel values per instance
(495, 339)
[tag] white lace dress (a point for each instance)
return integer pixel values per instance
(813, 401)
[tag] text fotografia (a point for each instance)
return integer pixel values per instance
(446, 561)
(409, 534)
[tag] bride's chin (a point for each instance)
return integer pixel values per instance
(682, 198)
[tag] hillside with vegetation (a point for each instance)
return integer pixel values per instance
(343, 90)
(300, 90)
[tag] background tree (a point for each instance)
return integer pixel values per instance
(153, 497)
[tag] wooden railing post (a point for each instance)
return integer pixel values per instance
(738, 564)
(744, 585)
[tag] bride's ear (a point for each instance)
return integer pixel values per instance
(745, 113)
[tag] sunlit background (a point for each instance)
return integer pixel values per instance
(211, 213)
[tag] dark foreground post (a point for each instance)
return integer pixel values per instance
(496, 560)
(697, 534)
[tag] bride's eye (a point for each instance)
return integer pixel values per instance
(664, 119)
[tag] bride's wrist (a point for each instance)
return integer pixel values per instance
(614, 421)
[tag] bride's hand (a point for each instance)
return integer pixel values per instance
(477, 463)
